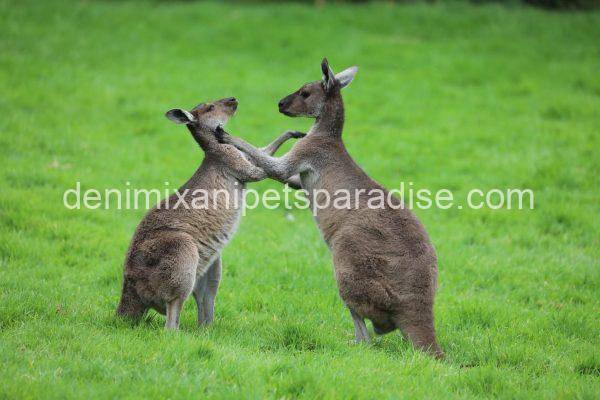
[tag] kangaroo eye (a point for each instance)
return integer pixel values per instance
(211, 107)
(304, 94)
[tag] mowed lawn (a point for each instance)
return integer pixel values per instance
(447, 96)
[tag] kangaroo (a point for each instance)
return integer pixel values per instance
(176, 248)
(385, 265)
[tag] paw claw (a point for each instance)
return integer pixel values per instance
(297, 135)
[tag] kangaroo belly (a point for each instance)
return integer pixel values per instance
(214, 234)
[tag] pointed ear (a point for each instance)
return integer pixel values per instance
(328, 76)
(180, 116)
(346, 76)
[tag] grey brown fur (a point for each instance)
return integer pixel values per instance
(175, 250)
(385, 265)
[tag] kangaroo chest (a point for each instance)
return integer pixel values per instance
(216, 224)
(320, 203)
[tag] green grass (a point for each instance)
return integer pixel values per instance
(447, 96)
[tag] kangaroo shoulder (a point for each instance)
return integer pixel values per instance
(310, 146)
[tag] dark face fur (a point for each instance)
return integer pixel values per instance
(305, 102)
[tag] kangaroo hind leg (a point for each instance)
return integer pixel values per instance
(175, 276)
(213, 278)
(199, 291)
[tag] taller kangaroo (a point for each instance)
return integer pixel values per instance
(385, 265)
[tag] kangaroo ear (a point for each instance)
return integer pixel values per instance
(180, 116)
(346, 76)
(328, 76)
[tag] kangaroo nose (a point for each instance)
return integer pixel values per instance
(280, 104)
(230, 99)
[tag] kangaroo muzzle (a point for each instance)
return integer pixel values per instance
(284, 105)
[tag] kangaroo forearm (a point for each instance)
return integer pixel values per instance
(250, 173)
(272, 147)
(275, 168)
(279, 169)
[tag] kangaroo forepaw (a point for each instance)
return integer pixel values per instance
(296, 134)
(221, 135)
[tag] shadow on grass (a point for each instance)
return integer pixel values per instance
(590, 367)
(293, 337)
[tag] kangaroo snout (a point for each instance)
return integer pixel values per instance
(230, 102)
(229, 105)
(284, 105)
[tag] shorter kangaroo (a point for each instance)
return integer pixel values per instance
(175, 250)
(385, 265)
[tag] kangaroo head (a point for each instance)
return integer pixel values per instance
(205, 115)
(308, 101)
